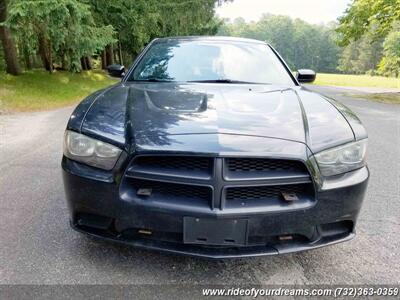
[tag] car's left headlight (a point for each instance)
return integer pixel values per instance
(342, 159)
(95, 153)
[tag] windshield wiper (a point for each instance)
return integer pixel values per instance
(222, 81)
(152, 79)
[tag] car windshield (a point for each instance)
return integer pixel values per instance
(211, 61)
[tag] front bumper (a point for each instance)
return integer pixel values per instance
(97, 209)
(214, 252)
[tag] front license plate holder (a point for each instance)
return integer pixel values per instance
(215, 231)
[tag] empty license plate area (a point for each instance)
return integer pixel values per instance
(214, 232)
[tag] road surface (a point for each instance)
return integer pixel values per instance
(38, 246)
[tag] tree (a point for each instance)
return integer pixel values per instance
(10, 51)
(68, 33)
(361, 56)
(182, 17)
(302, 45)
(347, 58)
(364, 15)
(136, 22)
(64, 29)
(390, 63)
(368, 23)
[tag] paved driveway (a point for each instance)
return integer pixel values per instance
(37, 245)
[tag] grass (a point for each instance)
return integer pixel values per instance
(391, 98)
(357, 80)
(39, 90)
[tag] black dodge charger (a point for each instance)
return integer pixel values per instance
(209, 146)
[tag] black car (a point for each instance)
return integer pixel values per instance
(209, 146)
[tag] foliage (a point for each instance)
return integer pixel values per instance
(66, 25)
(35, 90)
(361, 57)
(133, 20)
(390, 63)
(363, 15)
(372, 21)
(139, 21)
(182, 17)
(66, 33)
(302, 45)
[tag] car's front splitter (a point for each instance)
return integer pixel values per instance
(218, 252)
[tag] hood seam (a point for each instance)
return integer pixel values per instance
(93, 102)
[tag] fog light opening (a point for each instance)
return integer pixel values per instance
(285, 237)
(145, 232)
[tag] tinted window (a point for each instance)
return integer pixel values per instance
(175, 60)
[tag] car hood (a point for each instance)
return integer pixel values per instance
(153, 115)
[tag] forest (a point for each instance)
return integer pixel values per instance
(365, 40)
(72, 34)
(76, 35)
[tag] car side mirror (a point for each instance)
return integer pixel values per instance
(305, 76)
(116, 70)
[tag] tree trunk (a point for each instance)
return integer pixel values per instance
(45, 53)
(28, 59)
(10, 51)
(50, 51)
(120, 53)
(109, 55)
(83, 63)
(103, 60)
(64, 63)
(115, 56)
(88, 63)
(36, 60)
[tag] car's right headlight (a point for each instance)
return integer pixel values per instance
(90, 151)
(342, 159)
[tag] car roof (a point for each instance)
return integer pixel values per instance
(209, 38)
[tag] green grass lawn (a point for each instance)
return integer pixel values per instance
(357, 80)
(391, 98)
(39, 90)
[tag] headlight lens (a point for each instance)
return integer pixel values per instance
(342, 159)
(90, 151)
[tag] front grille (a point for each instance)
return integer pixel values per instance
(261, 164)
(178, 163)
(168, 190)
(174, 166)
(262, 168)
(191, 183)
(263, 192)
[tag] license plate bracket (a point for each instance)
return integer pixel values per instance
(219, 232)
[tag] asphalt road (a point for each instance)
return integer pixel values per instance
(38, 247)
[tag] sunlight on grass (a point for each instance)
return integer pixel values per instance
(64, 79)
(357, 80)
(391, 98)
(37, 90)
(96, 76)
